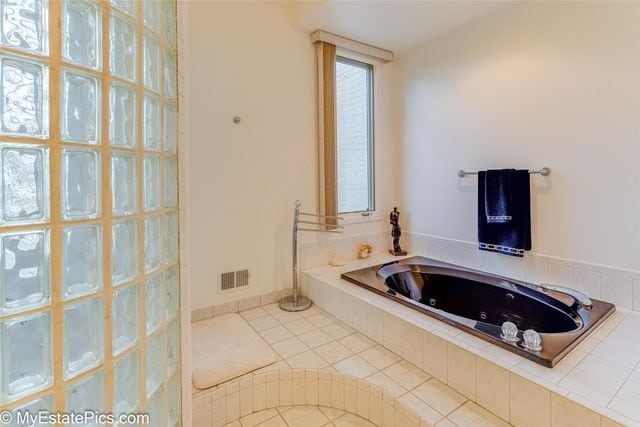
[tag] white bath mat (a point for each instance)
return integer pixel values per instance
(225, 348)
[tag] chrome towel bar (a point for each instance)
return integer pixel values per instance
(544, 172)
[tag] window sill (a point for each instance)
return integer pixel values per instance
(358, 218)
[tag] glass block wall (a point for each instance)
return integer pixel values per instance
(88, 207)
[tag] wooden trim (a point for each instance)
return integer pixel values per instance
(352, 45)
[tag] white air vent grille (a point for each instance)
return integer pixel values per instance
(228, 281)
(242, 278)
(234, 279)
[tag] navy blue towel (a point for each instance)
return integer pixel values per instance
(498, 195)
(512, 236)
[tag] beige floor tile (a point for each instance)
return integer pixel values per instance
(272, 308)
(286, 316)
(300, 326)
(331, 413)
(380, 357)
(233, 424)
(348, 420)
(254, 313)
(273, 335)
(445, 423)
(440, 397)
(316, 338)
(322, 319)
(333, 352)
(305, 416)
(289, 347)
(263, 323)
(355, 366)
(312, 311)
(407, 375)
(387, 384)
(357, 342)
(258, 417)
(307, 360)
(274, 422)
(421, 409)
(338, 330)
(472, 415)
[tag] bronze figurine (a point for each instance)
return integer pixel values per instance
(396, 232)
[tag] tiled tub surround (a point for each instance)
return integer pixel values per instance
(617, 286)
(598, 379)
(326, 363)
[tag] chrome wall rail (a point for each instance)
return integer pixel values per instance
(295, 301)
(544, 172)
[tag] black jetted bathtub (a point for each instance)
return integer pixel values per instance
(481, 303)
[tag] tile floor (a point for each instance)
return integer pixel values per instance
(301, 416)
(313, 339)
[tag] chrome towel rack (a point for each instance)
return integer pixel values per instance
(543, 171)
(295, 301)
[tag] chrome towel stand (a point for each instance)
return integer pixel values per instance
(544, 172)
(295, 301)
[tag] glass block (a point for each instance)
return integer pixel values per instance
(123, 183)
(169, 21)
(25, 271)
(170, 74)
(155, 362)
(26, 359)
(173, 346)
(170, 131)
(44, 403)
(172, 291)
(25, 25)
(173, 400)
(151, 62)
(80, 107)
(126, 302)
(155, 409)
(24, 100)
(82, 33)
(155, 306)
(126, 387)
(124, 252)
(151, 119)
(127, 6)
(87, 395)
(24, 196)
(81, 260)
(151, 183)
(122, 115)
(171, 237)
(152, 242)
(80, 181)
(151, 11)
(170, 183)
(123, 47)
(83, 337)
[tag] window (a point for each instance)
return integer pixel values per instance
(354, 111)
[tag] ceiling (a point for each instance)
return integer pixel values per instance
(398, 26)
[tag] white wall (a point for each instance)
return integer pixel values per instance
(542, 84)
(248, 59)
